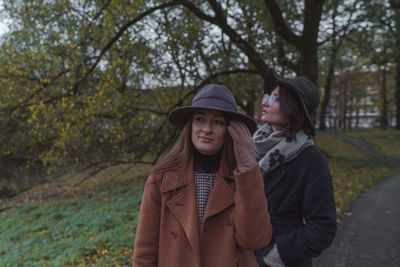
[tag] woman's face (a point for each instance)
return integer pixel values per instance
(271, 113)
(208, 131)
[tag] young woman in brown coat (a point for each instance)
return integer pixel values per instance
(203, 204)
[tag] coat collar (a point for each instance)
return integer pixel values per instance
(182, 177)
(174, 180)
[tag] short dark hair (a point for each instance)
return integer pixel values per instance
(292, 109)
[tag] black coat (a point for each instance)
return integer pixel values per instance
(302, 208)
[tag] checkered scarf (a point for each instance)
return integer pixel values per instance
(274, 148)
(204, 184)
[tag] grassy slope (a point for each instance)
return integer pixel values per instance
(93, 223)
(385, 142)
(353, 171)
(90, 224)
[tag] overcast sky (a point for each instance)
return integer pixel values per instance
(3, 27)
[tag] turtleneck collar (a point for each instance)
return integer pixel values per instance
(206, 163)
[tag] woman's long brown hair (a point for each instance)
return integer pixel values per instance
(181, 153)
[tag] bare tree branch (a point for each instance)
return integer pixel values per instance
(280, 25)
(208, 80)
(121, 31)
(220, 21)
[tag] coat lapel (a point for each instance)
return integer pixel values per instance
(184, 205)
(221, 195)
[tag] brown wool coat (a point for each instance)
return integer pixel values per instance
(235, 223)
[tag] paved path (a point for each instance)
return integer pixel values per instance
(369, 234)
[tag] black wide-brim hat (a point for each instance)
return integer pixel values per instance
(306, 91)
(212, 97)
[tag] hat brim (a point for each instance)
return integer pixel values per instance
(179, 116)
(272, 80)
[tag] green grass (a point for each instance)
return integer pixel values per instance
(353, 171)
(90, 222)
(80, 221)
(385, 142)
(93, 228)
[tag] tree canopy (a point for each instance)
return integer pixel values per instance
(92, 81)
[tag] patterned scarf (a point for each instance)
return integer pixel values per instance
(274, 149)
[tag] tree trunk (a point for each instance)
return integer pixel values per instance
(328, 89)
(333, 115)
(341, 108)
(345, 108)
(309, 40)
(336, 116)
(395, 5)
(357, 116)
(398, 90)
(309, 62)
(350, 116)
(307, 43)
(328, 117)
(384, 120)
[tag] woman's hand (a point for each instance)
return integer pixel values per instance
(243, 145)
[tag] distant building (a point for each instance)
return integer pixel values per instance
(356, 102)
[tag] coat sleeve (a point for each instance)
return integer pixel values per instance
(319, 213)
(148, 229)
(252, 222)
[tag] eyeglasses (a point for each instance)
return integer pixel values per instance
(270, 99)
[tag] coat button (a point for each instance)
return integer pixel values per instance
(229, 221)
(173, 234)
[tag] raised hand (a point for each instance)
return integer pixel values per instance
(243, 145)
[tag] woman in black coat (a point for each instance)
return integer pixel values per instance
(297, 180)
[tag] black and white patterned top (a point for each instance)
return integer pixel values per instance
(204, 184)
(205, 173)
